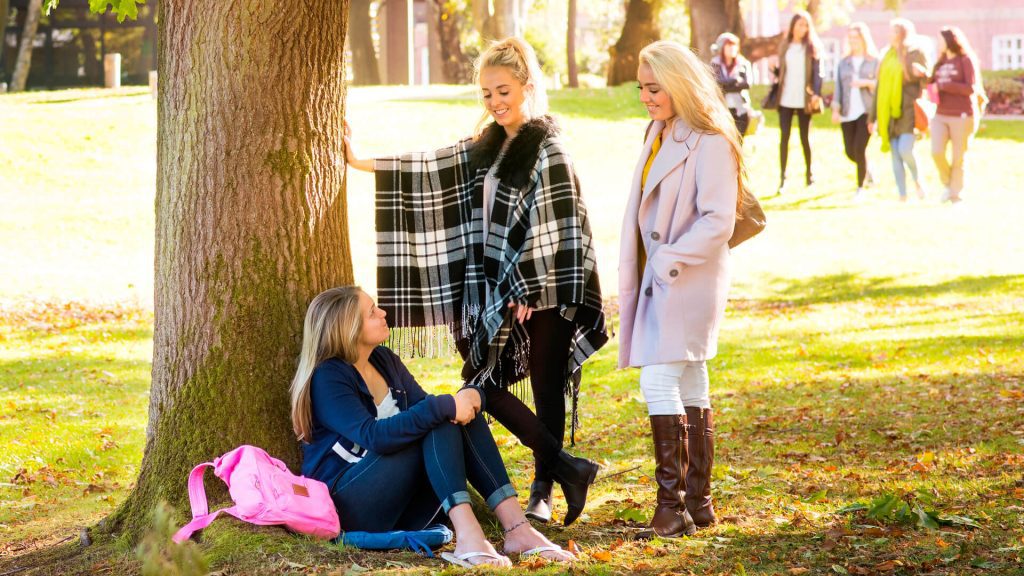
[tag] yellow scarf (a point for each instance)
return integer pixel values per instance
(889, 100)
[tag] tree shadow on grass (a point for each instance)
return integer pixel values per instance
(849, 287)
(93, 95)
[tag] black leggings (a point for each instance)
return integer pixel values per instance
(742, 121)
(785, 124)
(543, 432)
(855, 140)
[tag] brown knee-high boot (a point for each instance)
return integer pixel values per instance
(670, 518)
(700, 451)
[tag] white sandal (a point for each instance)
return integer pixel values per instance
(541, 549)
(463, 559)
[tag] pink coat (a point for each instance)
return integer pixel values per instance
(686, 214)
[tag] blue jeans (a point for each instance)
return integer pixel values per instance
(903, 153)
(406, 489)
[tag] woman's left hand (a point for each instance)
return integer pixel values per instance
(521, 312)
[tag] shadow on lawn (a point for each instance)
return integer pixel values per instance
(849, 287)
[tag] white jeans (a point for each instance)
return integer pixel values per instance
(669, 388)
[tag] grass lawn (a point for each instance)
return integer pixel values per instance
(872, 356)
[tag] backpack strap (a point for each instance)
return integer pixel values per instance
(196, 492)
(201, 517)
(200, 522)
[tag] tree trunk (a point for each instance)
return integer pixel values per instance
(457, 68)
(570, 47)
(708, 19)
(496, 19)
(5, 10)
(639, 30)
(754, 49)
(23, 62)
(250, 225)
(365, 71)
(93, 66)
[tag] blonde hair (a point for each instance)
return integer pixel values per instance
(865, 37)
(331, 330)
(696, 98)
(518, 57)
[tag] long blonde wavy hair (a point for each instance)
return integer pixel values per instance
(696, 98)
(331, 330)
(519, 57)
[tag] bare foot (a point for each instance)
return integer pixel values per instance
(466, 545)
(525, 538)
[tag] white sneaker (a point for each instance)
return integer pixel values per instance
(946, 194)
(858, 196)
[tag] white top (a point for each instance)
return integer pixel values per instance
(793, 85)
(388, 407)
(856, 108)
(490, 190)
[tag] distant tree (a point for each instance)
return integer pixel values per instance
(457, 66)
(23, 62)
(639, 30)
(5, 10)
(708, 19)
(570, 47)
(497, 19)
(365, 71)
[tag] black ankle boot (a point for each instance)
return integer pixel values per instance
(574, 475)
(539, 506)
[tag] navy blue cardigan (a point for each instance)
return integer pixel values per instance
(345, 425)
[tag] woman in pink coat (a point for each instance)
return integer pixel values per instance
(674, 271)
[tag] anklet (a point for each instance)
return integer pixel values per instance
(508, 530)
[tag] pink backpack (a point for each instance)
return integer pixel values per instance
(265, 493)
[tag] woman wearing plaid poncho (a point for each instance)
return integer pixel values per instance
(489, 241)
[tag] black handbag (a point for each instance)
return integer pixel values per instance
(771, 101)
(750, 220)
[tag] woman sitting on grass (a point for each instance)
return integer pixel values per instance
(393, 455)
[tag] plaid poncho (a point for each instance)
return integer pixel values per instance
(434, 271)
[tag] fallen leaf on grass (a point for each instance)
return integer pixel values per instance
(797, 570)
(602, 556)
(888, 565)
(573, 547)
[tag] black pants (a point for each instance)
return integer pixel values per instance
(742, 121)
(543, 432)
(785, 124)
(855, 140)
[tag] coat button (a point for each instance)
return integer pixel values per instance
(655, 236)
(673, 273)
(649, 291)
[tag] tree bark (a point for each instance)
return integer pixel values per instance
(708, 19)
(754, 49)
(570, 47)
(23, 62)
(250, 225)
(365, 71)
(506, 19)
(457, 68)
(639, 30)
(5, 10)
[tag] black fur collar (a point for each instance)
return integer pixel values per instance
(522, 152)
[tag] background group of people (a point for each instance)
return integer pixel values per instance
(895, 95)
(488, 241)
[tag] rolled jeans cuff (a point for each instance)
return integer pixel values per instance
(500, 495)
(456, 498)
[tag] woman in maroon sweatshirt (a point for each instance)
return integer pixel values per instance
(956, 77)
